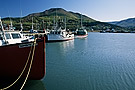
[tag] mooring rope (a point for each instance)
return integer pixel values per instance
(24, 68)
(30, 65)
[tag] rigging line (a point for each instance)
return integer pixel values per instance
(30, 64)
(21, 72)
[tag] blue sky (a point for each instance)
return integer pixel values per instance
(101, 10)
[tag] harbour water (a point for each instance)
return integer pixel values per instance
(102, 61)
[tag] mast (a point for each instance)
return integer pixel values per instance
(3, 33)
(21, 25)
(32, 23)
(54, 23)
(81, 21)
(56, 17)
(43, 24)
(21, 22)
(65, 24)
(11, 25)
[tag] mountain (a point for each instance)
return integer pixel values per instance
(47, 18)
(58, 12)
(129, 23)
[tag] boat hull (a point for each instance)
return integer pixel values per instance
(58, 38)
(14, 57)
(81, 36)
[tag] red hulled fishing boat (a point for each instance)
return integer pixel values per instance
(19, 59)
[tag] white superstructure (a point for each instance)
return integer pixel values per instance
(60, 35)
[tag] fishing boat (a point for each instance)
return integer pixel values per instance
(21, 58)
(81, 32)
(13, 37)
(59, 35)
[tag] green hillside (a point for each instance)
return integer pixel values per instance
(46, 19)
(128, 23)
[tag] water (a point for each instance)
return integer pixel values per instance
(102, 61)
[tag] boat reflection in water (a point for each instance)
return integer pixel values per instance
(67, 45)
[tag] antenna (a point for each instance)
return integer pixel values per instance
(32, 23)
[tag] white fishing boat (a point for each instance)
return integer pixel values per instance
(12, 37)
(58, 35)
(81, 32)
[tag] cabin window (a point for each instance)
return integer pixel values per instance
(7, 36)
(81, 32)
(16, 35)
(1, 37)
(58, 32)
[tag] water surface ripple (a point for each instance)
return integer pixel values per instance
(102, 61)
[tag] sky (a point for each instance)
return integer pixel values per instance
(101, 10)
